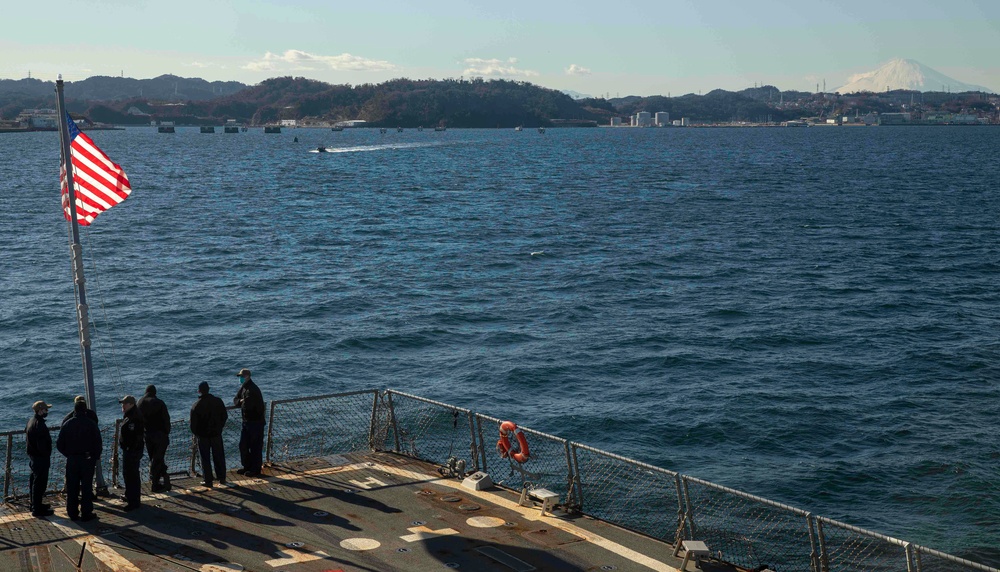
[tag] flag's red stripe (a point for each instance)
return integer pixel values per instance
(99, 182)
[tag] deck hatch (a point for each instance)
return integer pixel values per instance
(507, 560)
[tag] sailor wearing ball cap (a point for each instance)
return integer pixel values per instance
(251, 403)
(39, 448)
(130, 438)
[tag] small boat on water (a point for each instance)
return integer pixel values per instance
(207, 129)
(541, 130)
(272, 129)
(165, 127)
(383, 130)
(337, 128)
(440, 128)
(519, 128)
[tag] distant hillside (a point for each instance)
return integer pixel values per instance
(400, 102)
(454, 103)
(104, 88)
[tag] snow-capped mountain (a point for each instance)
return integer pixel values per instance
(906, 74)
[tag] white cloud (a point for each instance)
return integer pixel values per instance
(297, 60)
(496, 68)
(200, 65)
(574, 69)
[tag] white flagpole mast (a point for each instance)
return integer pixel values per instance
(76, 252)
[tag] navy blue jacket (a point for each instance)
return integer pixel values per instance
(208, 416)
(251, 401)
(154, 413)
(131, 431)
(80, 436)
(37, 437)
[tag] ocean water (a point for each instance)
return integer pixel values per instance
(809, 315)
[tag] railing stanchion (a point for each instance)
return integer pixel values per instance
(392, 417)
(576, 488)
(482, 443)
(813, 544)
(270, 432)
(824, 556)
(374, 421)
(475, 444)
(114, 454)
(8, 470)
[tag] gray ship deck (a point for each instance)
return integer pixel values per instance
(356, 512)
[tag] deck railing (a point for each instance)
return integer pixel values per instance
(739, 528)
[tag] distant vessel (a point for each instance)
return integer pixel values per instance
(207, 129)
(795, 123)
(399, 130)
(382, 130)
(518, 128)
(272, 129)
(336, 128)
(541, 130)
(165, 127)
(231, 126)
(440, 128)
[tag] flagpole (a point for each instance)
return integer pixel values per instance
(76, 253)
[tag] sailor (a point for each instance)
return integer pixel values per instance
(87, 411)
(156, 418)
(130, 439)
(39, 449)
(80, 442)
(102, 489)
(251, 403)
(208, 418)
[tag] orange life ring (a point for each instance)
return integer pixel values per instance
(504, 446)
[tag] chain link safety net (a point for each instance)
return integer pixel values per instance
(851, 548)
(320, 426)
(547, 467)
(181, 451)
(16, 481)
(745, 530)
(928, 560)
(739, 528)
(429, 431)
(628, 493)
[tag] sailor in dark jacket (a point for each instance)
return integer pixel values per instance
(80, 442)
(130, 438)
(157, 419)
(87, 411)
(251, 404)
(208, 419)
(39, 449)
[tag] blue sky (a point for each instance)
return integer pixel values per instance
(638, 47)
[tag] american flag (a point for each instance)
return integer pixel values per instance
(100, 183)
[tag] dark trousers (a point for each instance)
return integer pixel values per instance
(251, 446)
(79, 485)
(38, 481)
(156, 447)
(130, 471)
(211, 451)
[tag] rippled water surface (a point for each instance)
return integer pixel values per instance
(809, 315)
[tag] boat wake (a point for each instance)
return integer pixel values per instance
(365, 148)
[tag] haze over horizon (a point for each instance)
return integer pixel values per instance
(642, 48)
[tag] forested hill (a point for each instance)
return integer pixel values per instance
(400, 102)
(453, 103)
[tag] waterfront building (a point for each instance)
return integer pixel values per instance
(662, 119)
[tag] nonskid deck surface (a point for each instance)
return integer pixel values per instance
(357, 512)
